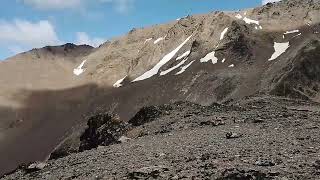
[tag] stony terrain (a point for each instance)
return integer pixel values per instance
(257, 138)
(48, 95)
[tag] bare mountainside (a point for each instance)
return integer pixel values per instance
(48, 94)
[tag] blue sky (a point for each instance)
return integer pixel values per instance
(27, 24)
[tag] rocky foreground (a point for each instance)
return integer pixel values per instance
(255, 138)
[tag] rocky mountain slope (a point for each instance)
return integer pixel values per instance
(48, 94)
(256, 138)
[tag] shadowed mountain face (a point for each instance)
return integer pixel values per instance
(47, 95)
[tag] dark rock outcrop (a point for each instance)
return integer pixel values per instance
(104, 130)
(147, 114)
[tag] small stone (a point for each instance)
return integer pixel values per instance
(258, 120)
(124, 139)
(316, 164)
(233, 135)
(264, 163)
(213, 123)
(238, 121)
(36, 166)
(148, 172)
(284, 178)
(97, 177)
(176, 177)
(160, 155)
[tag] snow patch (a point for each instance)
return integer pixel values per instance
(158, 40)
(291, 32)
(173, 68)
(77, 71)
(232, 65)
(184, 55)
(162, 62)
(184, 68)
(223, 33)
(223, 60)
(147, 40)
(119, 83)
(210, 56)
(250, 21)
(178, 19)
(279, 49)
(264, 2)
(238, 16)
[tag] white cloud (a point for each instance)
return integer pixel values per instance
(83, 38)
(22, 33)
(19, 35)
(121, 6)
(53, 4)
(269, 1)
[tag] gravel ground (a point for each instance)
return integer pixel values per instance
(256, 138)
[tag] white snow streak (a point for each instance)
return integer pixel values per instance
(223, 60)
(297, 35)
(162, 62)
(173, 68)
(147, 40)
(158, 40)
(223, 33)
(118, 83)
(77, 71)
(291, 32)
(211, 56)
(279, 48)
(232, 65)
(184, 55)
(184, 68)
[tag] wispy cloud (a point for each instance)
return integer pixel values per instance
(27, 33)
(83, 38)
(268, 1)
(20, 35)
(122, 6)
(53, 4)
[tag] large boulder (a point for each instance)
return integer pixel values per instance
(103, 130)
